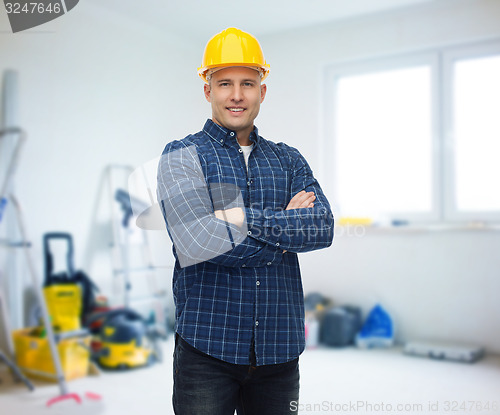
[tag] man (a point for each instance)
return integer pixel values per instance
(238, 209)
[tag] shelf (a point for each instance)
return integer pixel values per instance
(361, 230)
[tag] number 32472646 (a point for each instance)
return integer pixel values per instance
(39, 8)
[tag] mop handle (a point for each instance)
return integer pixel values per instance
(11, 169)
(29, 259)
(41, 299)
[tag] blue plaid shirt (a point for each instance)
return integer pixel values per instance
(248, 291)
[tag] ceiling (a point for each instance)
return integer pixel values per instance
(199, 19)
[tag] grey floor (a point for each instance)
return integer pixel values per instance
(333, 381)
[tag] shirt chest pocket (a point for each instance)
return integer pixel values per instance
(264, 186)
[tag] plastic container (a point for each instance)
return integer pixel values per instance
(35, 360)
(312, 331)
(340, 325)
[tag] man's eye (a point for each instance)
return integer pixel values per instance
(248, 84)
(224, 84)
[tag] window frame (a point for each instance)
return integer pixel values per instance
(333, 73)
(440, 61)
(449, 57)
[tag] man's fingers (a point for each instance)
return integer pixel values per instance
(295, 199)
(302, 199)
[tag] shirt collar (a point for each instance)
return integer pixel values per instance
(222, 135)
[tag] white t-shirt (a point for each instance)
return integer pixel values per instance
(246, 152)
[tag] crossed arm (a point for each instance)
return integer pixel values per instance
(238, 235)
(236, 216)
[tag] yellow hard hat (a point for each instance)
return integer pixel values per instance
(233, 47)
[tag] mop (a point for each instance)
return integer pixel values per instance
(64, 392)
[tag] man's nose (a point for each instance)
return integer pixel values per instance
(237, 94)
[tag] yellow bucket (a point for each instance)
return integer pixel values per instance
(35, 360)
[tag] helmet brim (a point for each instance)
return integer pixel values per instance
(263, 69)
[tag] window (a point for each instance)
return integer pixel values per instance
(406, 146)
(472, 96)
(384, 123)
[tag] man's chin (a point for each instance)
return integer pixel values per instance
(236, 127)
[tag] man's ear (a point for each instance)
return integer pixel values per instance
(263, 90)
(206, 90)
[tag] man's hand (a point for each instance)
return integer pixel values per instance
(233, 215)
(302, 199)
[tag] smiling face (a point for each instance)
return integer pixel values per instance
(236, 94)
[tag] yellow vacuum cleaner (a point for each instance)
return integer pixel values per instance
(126, 341)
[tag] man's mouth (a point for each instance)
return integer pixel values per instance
(236, 109)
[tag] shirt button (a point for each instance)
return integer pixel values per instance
(231, 134)
(221, 141)
(249, 183)
(244, 265)
(256, 323)
(277, 244)
(240, 150)
(269, 263)
(258, 283)
(249, 232)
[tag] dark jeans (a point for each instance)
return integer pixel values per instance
(204, 385)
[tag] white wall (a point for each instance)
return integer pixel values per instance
(97, 88)
(94, 88)
(438, 285)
